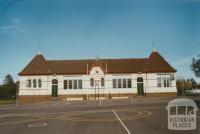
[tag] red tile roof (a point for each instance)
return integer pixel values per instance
(154, 64)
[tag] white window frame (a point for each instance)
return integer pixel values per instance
(164, 80)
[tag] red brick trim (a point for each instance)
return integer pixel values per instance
(39, 98)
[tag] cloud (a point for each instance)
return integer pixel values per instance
(10, 27)
(15, 25)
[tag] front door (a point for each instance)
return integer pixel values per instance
(140, 86)
(54, 90)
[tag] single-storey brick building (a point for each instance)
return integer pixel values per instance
(44, 79)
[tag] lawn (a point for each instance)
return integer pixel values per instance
(3, 102)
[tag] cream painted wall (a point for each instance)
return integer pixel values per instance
(149, 80)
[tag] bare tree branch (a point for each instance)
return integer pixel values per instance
(9, 5)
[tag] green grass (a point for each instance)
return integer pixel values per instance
(4, 102)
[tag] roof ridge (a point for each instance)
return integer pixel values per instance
(100, 59)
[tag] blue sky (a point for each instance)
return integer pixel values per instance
(74, 29)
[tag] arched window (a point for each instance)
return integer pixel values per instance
(92, 82)
(34, 83)
(139, 79)
(39, 83)
(54, 81)
(102, 82)
(28, 83)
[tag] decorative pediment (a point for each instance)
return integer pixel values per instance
(96, 71)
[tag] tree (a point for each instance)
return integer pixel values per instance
(1, 91)
(183, 84)
(8, 80)
(180, 84)
(195, 66)
(194, 83)
(8, 88)
(187, 84)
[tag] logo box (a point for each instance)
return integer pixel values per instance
(182, 114)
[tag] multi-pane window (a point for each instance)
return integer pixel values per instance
(28, 83)
(34, 83)
(119, 83)
(102, 82)
(168, 82)
(129, 83)
(39, 83)
(92, 82)
(122, 83)
(70, 84)
(114, 83)
(75, 84)
(159, 82)
(164, 80)
(80, 84)
(65, 84)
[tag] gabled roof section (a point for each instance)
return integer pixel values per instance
(68, 66)
(155, 63)
(132, 65)
(37, 66)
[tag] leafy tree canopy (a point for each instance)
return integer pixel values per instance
(8, 80)
(186, 84)
(195, 66)
(8, 88)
